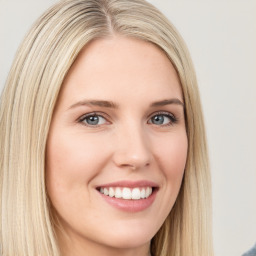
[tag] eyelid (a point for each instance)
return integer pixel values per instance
(94, 113)
(173, 118)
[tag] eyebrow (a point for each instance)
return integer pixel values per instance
(167, 102)
(99, 103)
(110, 104)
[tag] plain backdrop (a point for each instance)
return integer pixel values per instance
(221, 37)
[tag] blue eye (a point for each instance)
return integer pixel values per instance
(93, 120)
(162, 119)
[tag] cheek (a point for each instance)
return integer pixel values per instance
(72, 160)
(172, 156)
(72, 155)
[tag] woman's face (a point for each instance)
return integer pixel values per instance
(117, 146)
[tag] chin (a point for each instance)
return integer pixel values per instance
(130, 238)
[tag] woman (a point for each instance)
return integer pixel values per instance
(103, 142)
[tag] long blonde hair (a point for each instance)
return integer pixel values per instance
(26, 109)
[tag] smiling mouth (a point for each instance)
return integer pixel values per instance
(129, 196)
(126, 193)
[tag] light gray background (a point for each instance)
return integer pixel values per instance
(221, 36)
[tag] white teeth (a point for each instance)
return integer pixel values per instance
(105, 191)
(136, 193)
(148, 191)
(111, 192)
(143, 193)
(127, 193)
(118, 193)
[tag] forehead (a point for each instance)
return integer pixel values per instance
(121, 67)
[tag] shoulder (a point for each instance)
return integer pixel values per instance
(251, 252)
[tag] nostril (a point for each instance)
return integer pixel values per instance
(131, 161)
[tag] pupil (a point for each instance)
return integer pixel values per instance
(93, 120)
(158, 119)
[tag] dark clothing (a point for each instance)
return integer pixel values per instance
(251, 252)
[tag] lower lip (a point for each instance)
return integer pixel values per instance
(130, 205)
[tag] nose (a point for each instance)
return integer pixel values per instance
(132, 148)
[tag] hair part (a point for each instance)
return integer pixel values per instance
(26, 108)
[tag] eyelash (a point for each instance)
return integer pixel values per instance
(173, 119)
(92, 114)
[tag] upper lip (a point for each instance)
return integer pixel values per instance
(130, 184)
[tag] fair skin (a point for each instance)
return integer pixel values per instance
(119, 122)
